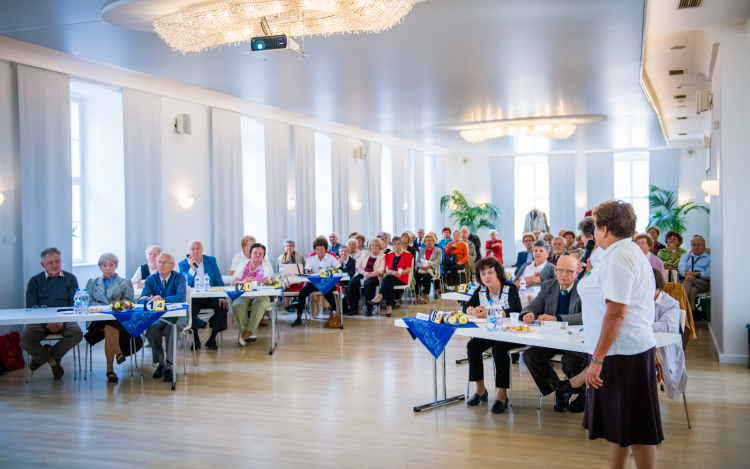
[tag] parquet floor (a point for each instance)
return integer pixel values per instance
(332, 398)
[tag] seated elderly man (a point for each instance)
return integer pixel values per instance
(171, 287)
(537, 271)
(695, 268)
(53, 288)
(353, 246)
(558, 250)
(196, 266)
(558, 300)
(334, 244)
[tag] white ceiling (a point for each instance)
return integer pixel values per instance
(449, 61)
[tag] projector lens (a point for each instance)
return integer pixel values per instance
(259, 45)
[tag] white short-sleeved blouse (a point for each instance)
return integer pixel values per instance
(622, 274)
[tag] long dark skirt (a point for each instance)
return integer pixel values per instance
(95, 335)
(625, 409)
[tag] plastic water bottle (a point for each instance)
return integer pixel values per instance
(84, 302)
(491, 319)
(206, 282)
(522, 285)
(496, 312)
(77, 305)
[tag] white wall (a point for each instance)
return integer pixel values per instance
(692, 174)
(357, 189)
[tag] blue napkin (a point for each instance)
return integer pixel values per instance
(324, 284)
(433, 336)
(137, 321)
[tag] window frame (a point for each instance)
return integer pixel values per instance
(77, 181)
(631, 157)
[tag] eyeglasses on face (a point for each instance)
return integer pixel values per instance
(164, 262)
(565, 272)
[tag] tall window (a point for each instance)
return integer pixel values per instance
(631, 184)
(429, 195)
(76, 167)
(386, 177)
(254, 178)
(324, 186)
(531, 189)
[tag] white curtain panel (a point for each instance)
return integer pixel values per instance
(374, 189)
(398, 157)
(304, 160)
(418, 190)
(44, 146)
(502, 172)
(143, 184)
(562, 192)
(440, 187)
(278, 152)
(340, 179)
(600, 177)
(226, 166)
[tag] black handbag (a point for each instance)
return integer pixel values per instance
(450, 260)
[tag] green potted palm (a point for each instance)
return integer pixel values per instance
(479, 217)
(669, 214)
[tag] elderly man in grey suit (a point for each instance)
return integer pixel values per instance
(558, 300)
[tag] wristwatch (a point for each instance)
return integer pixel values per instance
(594, 360)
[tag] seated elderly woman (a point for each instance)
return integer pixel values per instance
(460, 250)
(654, 232)
(369, 270)
(671, 254)
(473, 254)
(537, 271)
(493, 284)
(398, 266)
(249, 311)
(428, 267)
(525, 256)
(646, 243)
(446, 240)
(321, 260)
(149, 268)
(548, 237)
(290, 256)
(494, 246)
(361, 241)
(354, 251)
(407, 244)
(105, 290)
(243, 255)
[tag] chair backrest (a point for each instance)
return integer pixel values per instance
(683, 317)
(674, 278)
(526, 300)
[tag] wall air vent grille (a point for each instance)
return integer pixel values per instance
(682, 4)
(681, 118)
(679, 71)
(680, 96)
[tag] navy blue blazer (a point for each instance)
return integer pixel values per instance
(522, 259)
(209, 267)
(174, 293)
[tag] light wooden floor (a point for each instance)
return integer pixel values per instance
(332, 398)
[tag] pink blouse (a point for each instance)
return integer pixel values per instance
(256, 274)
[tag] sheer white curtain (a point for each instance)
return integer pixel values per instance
(227, 207)
(44, 145)
(440, 188)
(374, 186)
(278, 151)
(600, 174)
(398, 159)
(143, 184)
(340, 178)
(419, 190)
(502, 175)
(562, 192)
(304, 160)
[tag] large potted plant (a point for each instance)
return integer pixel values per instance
(477, 218)
(668, 214)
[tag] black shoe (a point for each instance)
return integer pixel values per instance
(159, 372)
(476, 399)
(388, 315)
(368, 313)
(562, 387)
(120, 359)
(561, 401)
(112, 377)
(195, 346)
(168, 376)
(211, 345)
(352, 313)
(578, 404)
(297, 322)
(499, 407)
(515, 357)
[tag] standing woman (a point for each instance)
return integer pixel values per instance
(494, 246)
(622, 404)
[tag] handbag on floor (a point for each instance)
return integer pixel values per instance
(10, 351)
(334, 321)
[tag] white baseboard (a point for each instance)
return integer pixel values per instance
(725, 358)
(713, 340)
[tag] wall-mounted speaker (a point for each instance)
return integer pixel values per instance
(183, 124)
(359, 153)
(690, 151)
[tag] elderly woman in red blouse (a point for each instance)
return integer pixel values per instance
(494, 247)
(397, 268)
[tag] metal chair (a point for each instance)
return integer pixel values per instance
(184, 332)
(50, 338)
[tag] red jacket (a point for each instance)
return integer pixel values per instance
(494, 247)
(403, 263)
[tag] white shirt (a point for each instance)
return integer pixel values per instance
(356, 255)
(197, 273)
(236, 260)
(137, 277)
(315, 265)
(623, 275)
(529, 272)
(594, 257)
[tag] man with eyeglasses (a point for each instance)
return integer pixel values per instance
(170, 286)
(558, 300)
(53, 288)
(695, 268)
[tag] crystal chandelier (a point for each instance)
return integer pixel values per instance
(561, 131)
(202, 28)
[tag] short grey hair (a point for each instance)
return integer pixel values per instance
(492, 231)
(50, 251)
(577, 251)
(289, 240)
(352, 240)
(194, 241)
(108, 257)
(153, 246)
(558, 237)
(333, 233)
(587, 226)
(541, 243)
(171, 257)
(699, 237)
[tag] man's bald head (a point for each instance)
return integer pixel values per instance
(565, 270)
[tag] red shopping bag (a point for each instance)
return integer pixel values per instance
(10, 351)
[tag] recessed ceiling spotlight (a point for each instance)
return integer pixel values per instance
(678, 47)
(679, 87)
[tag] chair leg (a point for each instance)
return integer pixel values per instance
(26, 368)
(687, 414)
(86, 361)
(143, 351)
(75, 375)
(539, 405)
(195, 355)
(510, 375)
(184, 355)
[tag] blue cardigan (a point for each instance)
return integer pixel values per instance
(209, 266)
(174, 293)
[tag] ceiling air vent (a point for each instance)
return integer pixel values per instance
(681, 118)
(683, 133)
(679, 71)
(682, 4)
(680, 96)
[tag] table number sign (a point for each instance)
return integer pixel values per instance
(436, 316)
(463, 288)
(244, 286)
(324, 273)
(155, 305)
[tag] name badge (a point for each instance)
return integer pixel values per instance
(423, 316)
(324, 273)
(463, 288)
(244, 286)
(155, 305)
(436, 316)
